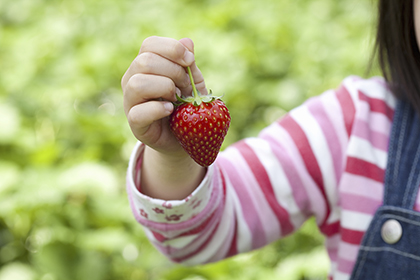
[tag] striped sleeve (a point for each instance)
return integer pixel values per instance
(260, 189)
(362, 184)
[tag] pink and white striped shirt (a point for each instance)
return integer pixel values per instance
(326, 158)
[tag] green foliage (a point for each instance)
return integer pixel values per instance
(65, 143)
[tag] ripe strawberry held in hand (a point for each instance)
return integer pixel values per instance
(200, 124)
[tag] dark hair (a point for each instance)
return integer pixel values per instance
(397, 49)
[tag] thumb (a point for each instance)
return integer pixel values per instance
(188, 43)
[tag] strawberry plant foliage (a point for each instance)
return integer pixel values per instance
(200, 123)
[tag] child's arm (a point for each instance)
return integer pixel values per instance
(258, 190)
(149, 86)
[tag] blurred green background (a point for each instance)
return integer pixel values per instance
(65, 143)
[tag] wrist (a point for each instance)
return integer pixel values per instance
(169, 176)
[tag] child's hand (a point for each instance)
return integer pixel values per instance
(149, 86)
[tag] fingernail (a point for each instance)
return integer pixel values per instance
(168, 106)
(188, 57)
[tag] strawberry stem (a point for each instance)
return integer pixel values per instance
(197, 99)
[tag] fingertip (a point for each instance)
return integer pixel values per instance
(189, 54)
(141, 116)
(188, 58)
(188, 43)
(169, 107)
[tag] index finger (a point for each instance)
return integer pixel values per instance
(168, 48)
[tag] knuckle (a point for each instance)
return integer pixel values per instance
(144, 61)
(134, 84)
(130, 118)
(134, 117)
(123, 81)
(148, 41)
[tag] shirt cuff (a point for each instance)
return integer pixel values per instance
(150, 209)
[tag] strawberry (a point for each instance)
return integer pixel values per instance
(200, 123)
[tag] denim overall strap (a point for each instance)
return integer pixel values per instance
(402, 176)
(390, 247)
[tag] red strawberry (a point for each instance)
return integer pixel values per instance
(200, 124)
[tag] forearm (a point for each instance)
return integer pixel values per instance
(168, 177)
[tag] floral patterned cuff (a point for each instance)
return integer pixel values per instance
(163, 211)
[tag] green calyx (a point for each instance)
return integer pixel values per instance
(197, 98)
